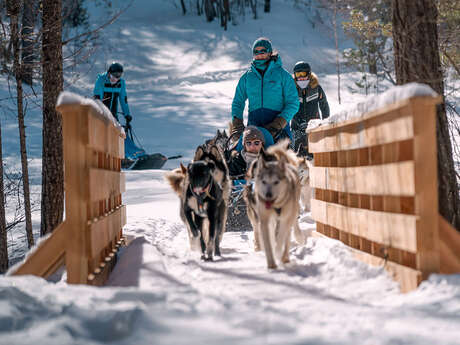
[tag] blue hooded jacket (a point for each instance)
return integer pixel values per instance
(110, 93)
(271, 95)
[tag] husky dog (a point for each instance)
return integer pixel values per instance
(306, 191)
(203, 188)
(273, 202)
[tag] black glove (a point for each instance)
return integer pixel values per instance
(128, 118)
(276, 126)
(237, 128)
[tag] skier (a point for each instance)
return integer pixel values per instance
(253, 141)
(110, 87)
(271, 92)
(311, 95)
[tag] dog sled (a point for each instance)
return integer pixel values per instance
(137, 159)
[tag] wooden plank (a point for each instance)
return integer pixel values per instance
(393, 126)
(449, 247)
(121, 147)
(426, 186)
(98, 134)
(45, 258)
(388, 179)
(391, 229)
(408, 278)
(104, 230)
(105, 183)
(75, 132)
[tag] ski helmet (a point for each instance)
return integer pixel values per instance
(302, 66)
(116, 69)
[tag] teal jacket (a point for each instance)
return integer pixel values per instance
(110, 94)
(273, 94)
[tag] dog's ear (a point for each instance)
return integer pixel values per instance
(250, 173)
(183, 168)
(284, 143)
(216, 153)
(218, 133)
(211, 166)
(198, 153)
(224, 134)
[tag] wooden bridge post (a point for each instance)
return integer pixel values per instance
(75, 124)
(426, 184)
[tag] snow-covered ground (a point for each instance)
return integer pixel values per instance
(160, 293)
(181, 74)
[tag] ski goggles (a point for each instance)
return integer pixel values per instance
(259, 51)
(301, 74)
(116, 74)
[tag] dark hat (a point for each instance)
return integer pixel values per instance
(251, 133)
(263, 42)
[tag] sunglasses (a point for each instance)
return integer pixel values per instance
(255, 143)
(301, 74)
(116, 74)
(259, 51)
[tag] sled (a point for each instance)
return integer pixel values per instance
(137, 159)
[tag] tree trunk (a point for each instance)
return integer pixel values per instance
(28, 23)
(52, 204)
(337, 53)
(416, 53)
(267, 6)
(3, 237)
(184, 10)
(14, 7)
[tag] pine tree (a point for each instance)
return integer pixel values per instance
(3, 237)
(416, 49)
(52, 205)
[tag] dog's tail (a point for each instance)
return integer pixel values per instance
(176, 179)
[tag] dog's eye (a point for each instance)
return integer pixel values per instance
(263, 182)
(276, 182)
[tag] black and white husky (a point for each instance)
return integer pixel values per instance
(203, 188)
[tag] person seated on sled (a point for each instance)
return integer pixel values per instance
(253, 141)
(311, 95)
(110, 88)
(271, 92)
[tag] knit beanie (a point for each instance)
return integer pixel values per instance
(263, 42)
(251, 133)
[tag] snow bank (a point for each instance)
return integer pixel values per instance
(374, 102)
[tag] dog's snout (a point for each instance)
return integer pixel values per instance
(269, 194)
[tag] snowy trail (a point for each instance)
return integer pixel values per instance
(160, 293)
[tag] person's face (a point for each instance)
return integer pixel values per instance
(253, 146)
(114, 77)
(261, 53)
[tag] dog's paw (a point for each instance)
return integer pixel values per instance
(272, 266)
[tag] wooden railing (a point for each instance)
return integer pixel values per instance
(87, 241)
(375, 180)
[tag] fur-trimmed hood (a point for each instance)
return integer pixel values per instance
(314, 81)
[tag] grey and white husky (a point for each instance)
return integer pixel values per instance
(273, 202)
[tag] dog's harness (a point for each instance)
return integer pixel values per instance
(201, 193)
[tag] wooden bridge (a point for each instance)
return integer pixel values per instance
(91, 234)
(376, 190)
(375, 180)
